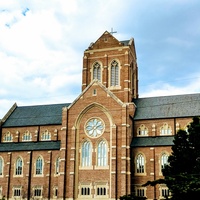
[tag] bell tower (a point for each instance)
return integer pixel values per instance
(102, 121)
(114, 64)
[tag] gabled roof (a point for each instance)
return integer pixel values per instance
(187, 105)
(35, 115)
(109, 41)
(97, 82)
(152, 141)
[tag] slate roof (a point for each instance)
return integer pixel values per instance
(36, 115)
(152, 141)
(167, 106)
(125, 42)
(29, 146)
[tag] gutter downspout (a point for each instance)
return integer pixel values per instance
(9, 174)
(49, 192)
(29, 177)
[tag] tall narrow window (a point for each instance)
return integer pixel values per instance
(18, 169)
(86, 154)
(164, 160)
(58, 165)
(102, 153)
(97, 71)
(1, 166)
(39, 166)
(140, 163)
(114, 73)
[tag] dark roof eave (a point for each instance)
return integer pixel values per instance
(152, 141)
(32, 125)
(30, 146)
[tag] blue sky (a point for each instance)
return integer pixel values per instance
(42, 44)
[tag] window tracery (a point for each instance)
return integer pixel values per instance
(165, 130)
(86, 154)
(114, 76)
(97, 71)
(142, 130)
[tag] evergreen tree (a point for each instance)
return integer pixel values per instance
(182, 174)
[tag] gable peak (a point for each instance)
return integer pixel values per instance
(106, 40)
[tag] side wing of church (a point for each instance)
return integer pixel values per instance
(107, 143)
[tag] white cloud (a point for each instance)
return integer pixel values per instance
(42, 44)
(166, 89)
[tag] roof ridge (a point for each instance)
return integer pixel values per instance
(170, 96)
(43, 105)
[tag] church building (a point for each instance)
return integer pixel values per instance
(105, 144)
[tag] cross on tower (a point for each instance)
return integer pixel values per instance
(112, 32)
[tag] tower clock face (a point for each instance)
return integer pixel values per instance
(94, 127)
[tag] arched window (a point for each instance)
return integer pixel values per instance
(58, 165)
(102, 153)
(186, 128)
(1, 166)
(39, 166)
(114, 79)
(164, 160)
(142, 130)
(86, 154)
(26, 136)
(18, 167)
(140, 163)
(165, 130)
(46, 135)
(97, 71)
(8, 137)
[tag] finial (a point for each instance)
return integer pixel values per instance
(112, 32)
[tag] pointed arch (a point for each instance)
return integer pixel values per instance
(39, 165)
(91, 106)
(96, 71)
(165, 129)
(142, 130)
(86, 154)
(163, 160)
(114, 73)
(140, 163)
(27, 136)
(18, 166)
(8, 137)
(46, 135)
(102, 153)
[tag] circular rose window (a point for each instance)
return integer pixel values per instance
(94, 127)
